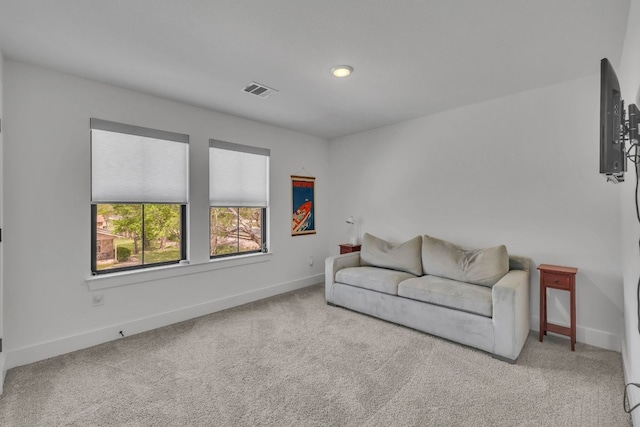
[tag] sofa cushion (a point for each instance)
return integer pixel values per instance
(449, 293)
(478, 266)
(380, 253)
(373, 278)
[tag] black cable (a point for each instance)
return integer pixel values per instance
(637, 168)
(634, 158)
(625, 402)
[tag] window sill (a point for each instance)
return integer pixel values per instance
(104, 281)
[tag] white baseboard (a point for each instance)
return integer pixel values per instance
(589, 336)
(45, 350)
(634, 392)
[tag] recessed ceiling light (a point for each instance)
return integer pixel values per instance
(341, 70)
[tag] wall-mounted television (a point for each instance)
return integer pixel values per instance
(613, 162)
(614, 129)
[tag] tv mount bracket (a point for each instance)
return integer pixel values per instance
(628, 132)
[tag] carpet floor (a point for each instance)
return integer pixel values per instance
(291, 360)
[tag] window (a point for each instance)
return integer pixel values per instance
(238, 198)
(138, 196)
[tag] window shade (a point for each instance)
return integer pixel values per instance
(238, 175)
(130, 164)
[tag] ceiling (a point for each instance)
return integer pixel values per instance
(410, 57)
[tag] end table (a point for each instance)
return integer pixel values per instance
(563, 278)
(346, 248)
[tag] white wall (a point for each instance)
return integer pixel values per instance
(2, 354)
(520, 171)
(629, 76)
(48, 306)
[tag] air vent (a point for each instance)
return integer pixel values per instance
(259, 90)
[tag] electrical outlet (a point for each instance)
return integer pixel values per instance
(310, 261)
(98, 299)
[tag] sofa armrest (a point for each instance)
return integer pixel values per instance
(331, 267)
(511, 313)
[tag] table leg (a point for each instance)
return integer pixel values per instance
(573, 318)
(543, 310)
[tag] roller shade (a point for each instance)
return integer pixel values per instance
(131, 164)
(238, 175)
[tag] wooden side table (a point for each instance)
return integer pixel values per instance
(558, 277)
(346, 248)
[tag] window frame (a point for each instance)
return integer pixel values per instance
(94, 241)
(263, 234)
(126, 129)
(250, 202)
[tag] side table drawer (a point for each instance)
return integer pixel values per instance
(558, 281)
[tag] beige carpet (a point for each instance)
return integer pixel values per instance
(294, 361)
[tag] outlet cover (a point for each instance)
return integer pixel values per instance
(98, 299)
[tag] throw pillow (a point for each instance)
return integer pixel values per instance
(402, 257)
(478, 266)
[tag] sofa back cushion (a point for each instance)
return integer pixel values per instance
(403, 257)
(478, 266)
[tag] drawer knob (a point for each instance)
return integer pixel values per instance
(555, 280)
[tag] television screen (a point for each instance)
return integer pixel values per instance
(612, 153)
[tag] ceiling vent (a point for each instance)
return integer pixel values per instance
(259, 90)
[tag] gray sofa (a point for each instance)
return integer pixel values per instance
(479, 298)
